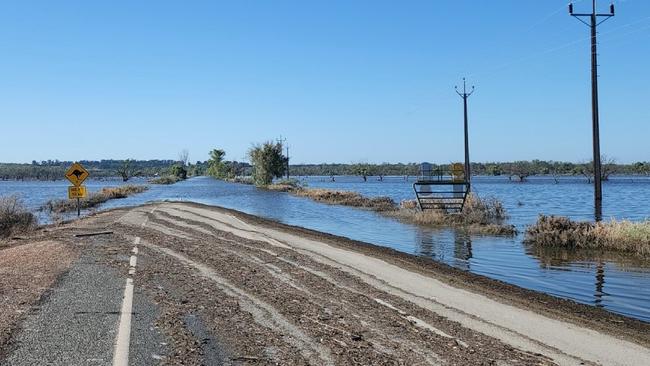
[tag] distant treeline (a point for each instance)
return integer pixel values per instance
(54, 169)
(519, 169)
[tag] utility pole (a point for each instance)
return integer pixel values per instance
(287, 161)
(283, 141)
(466, 95)
(593, 24)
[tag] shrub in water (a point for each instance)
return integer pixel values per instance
(557, 231)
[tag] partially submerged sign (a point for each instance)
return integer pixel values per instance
(76, 192)
(76, 174)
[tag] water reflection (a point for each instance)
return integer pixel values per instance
(600, 283)
(462, 250)
(554, 257)
(436, 244)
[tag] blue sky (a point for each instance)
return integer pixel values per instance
(343, 81)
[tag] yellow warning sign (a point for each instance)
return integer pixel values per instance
(458, 171)
(76, 174)
(76, 192)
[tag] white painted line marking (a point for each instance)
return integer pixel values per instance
(121, 354)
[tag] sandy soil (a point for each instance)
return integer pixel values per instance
(237, 289)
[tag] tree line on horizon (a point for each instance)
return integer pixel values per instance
(218, 167)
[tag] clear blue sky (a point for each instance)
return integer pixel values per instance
(343, 81)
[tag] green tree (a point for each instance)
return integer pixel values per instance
(362, 170)
(268, 162)
(127, 170)
(216, 166)
(178, 171)
(521, 169)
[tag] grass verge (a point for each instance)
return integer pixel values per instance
(558, 231)
(14, 217)
(94, 199)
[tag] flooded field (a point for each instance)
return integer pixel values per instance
(616, 282)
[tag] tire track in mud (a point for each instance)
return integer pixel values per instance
(263, 313)
(379, 339)
(207, 225)
(226, 222)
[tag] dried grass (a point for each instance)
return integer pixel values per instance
(287, 185)
(14, 217)
(94, 199)
(167, 179)
(479, 215)
(347, 198)
(27, 271)
(557, 231)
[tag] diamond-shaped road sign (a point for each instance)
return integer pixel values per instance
(76, 174)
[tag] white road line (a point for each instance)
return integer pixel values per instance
(121, 353)
(123, 340)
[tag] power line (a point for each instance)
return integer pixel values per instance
(283, 142)
(536, 55)
(466, 95)
(593, 24)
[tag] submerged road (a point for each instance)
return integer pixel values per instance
(182, 283)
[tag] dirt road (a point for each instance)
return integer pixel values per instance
(182, 283)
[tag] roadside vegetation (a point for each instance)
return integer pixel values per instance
(94, 199)
(14, 217)
(347, 198)
(166, 179)
(562, 232)
(179, 171)
(231, 171)
(268, 162)
(479, 216)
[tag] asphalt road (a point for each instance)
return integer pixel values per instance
(76, 323)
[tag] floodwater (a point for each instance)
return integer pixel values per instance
(619, 283)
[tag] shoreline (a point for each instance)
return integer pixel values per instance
(451, 275)
(326, 292)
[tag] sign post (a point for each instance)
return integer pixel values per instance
(77, 174)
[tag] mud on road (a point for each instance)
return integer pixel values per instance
(230, 288)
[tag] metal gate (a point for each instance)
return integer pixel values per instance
(441, 189)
